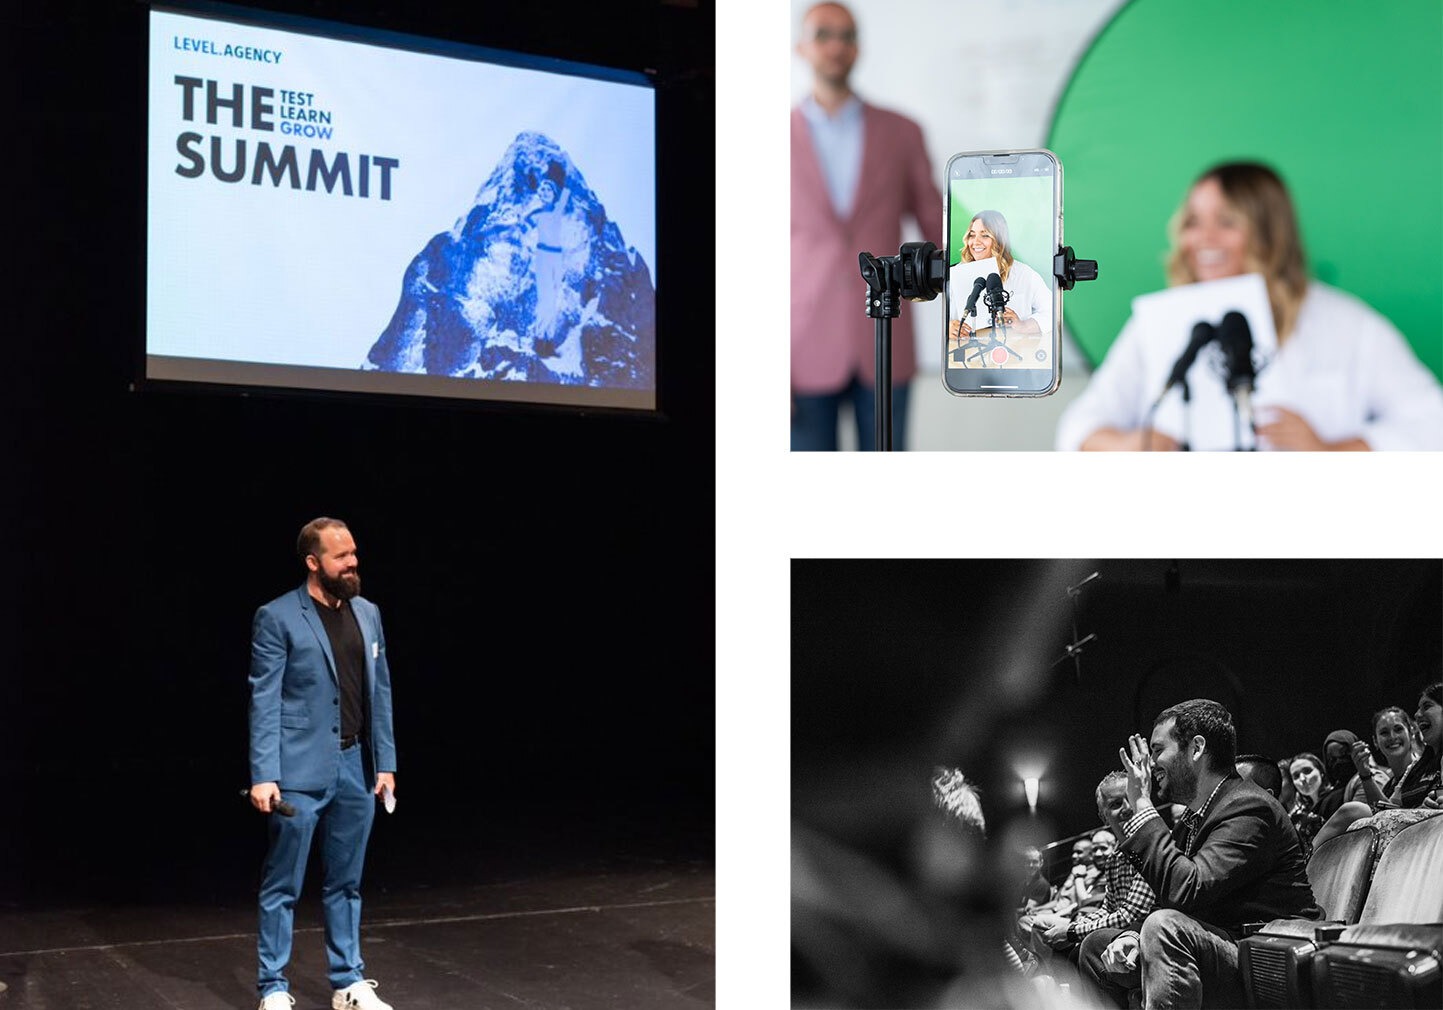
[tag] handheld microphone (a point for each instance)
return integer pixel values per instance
(977, 286)
(282, 807)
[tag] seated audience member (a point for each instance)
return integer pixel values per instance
(1288, 796)
(1424, 785)
(1418, 793)
(1115, 970)
(1397, 739)
(1082, 881)
(1415, 783)
(1393, 736)
(1371, 774)
(1233, 857)
(1262, 771)
(1104, 842)
(1036, 890)
(1340, 772)
(1308, 775)
(1126, 896)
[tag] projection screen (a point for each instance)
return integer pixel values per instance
(337, 209)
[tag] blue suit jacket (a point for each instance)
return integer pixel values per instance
(295, 696)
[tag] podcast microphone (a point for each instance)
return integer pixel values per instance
(1203, 334)
(977, 286)
(996, 295)
(1236, 338)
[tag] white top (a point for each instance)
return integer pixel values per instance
(1345, 370)
(1028, 296)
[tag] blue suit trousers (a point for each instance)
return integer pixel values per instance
(341, 815)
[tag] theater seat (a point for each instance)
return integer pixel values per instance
(1274, 959)
(1393, 956)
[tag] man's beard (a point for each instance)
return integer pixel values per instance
(1181, 784)
(342, 587)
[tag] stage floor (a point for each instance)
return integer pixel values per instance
(629, 937)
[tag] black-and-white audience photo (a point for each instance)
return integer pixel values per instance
(1103, 783)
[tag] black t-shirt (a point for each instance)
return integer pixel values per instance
(1036, 888)
(349, 648)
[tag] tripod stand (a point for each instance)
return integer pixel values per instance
(917, 273)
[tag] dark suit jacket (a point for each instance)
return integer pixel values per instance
(1248, 864)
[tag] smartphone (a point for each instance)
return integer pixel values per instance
(1003, 224)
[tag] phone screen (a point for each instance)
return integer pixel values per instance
(1004, 310)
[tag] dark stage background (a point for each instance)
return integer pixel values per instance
(900, 665)
(546, 578)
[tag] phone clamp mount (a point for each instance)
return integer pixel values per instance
(918, 273)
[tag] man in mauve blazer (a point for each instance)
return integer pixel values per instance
(833, 339)
(321, 741)
(1233, 857)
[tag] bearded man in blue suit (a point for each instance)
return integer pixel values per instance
(321, 742)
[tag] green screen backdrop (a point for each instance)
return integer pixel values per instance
(1026, 205)
(1343, 100)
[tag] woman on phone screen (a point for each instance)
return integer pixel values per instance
(1029, 299)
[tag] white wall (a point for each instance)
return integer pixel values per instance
(773, 505)
(976, 76)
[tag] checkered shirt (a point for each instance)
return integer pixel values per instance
(1126, 900)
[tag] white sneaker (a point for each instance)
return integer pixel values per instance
(358, 994)
(278, 1000)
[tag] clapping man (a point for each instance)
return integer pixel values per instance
(1232, 857)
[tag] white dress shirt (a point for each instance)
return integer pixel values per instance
(1027, 294)
(1345, 369)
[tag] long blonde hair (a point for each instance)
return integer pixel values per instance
(996, 226)
(1275, 245)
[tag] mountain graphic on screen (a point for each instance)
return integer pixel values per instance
(533, 284)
